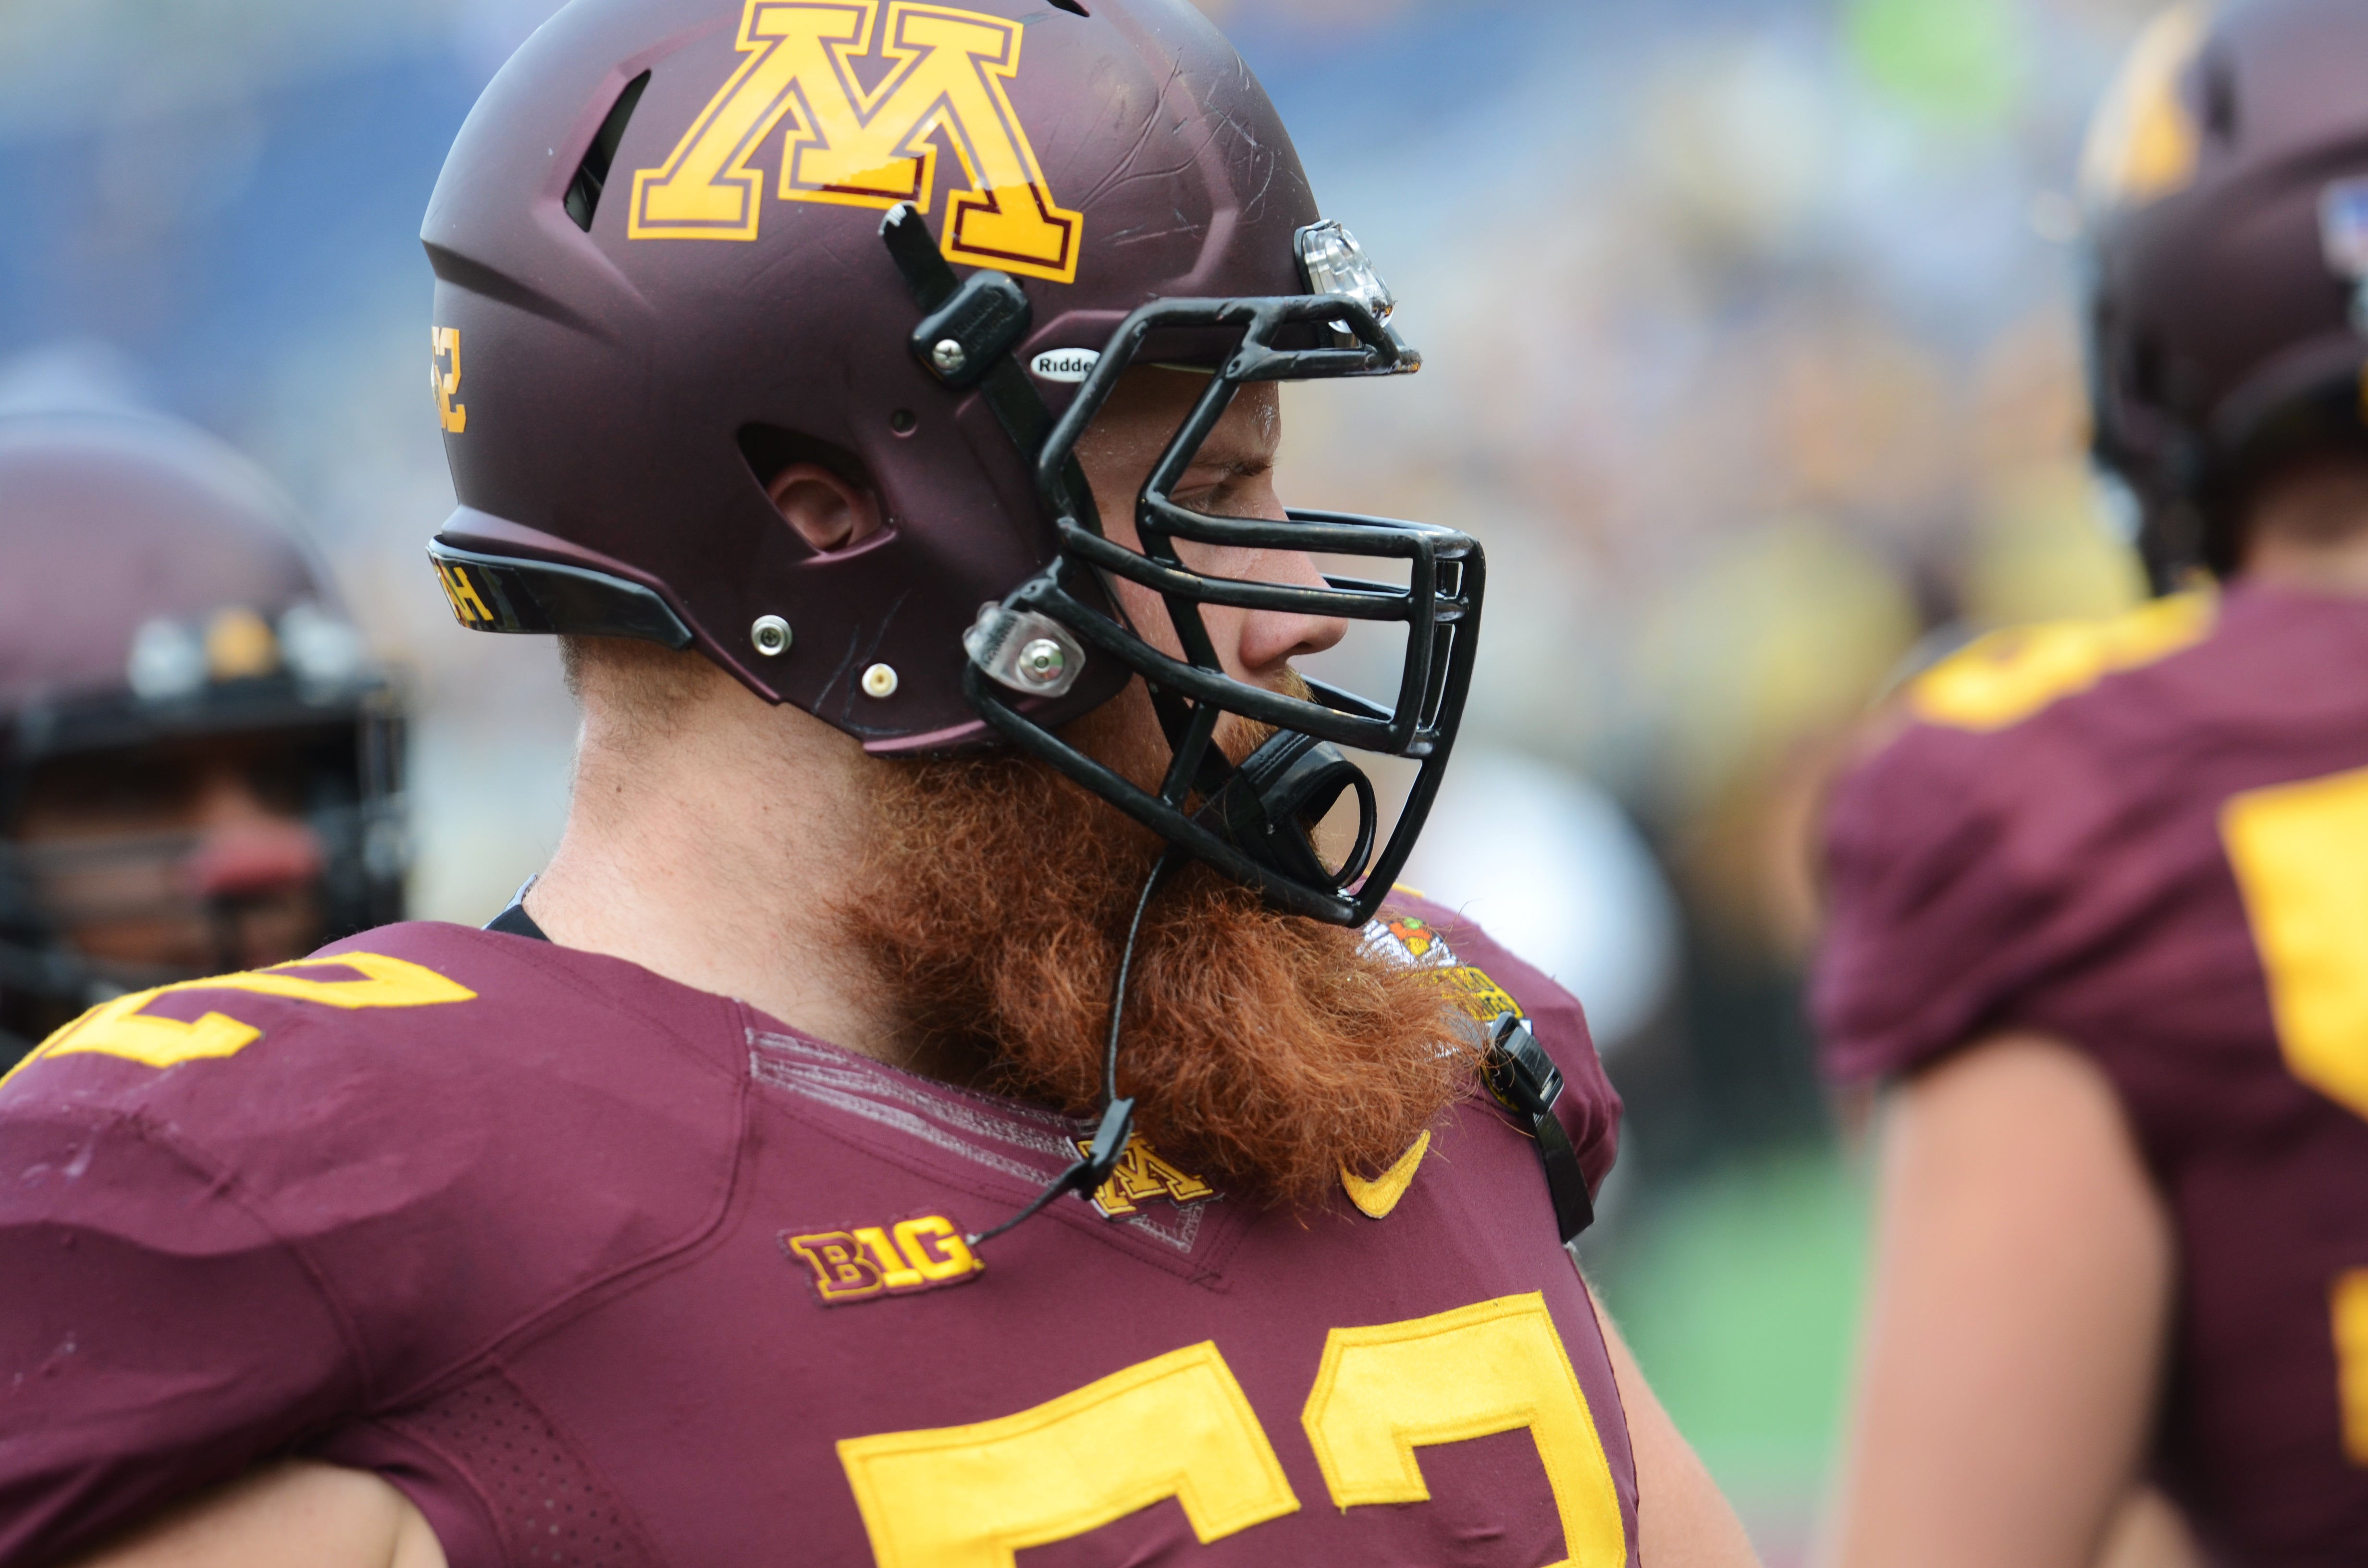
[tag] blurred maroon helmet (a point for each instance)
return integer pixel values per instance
(2227, 182)
(664, 276)
(152, 593)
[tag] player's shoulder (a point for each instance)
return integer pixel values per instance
(2031, 730)
(2003, 680)
(412, 1105)
(1956, 846)
(1485, 980)
(416, 1019)
(1483, 977)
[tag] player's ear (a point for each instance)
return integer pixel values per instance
(828, 512)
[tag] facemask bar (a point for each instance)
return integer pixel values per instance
(1441, 607)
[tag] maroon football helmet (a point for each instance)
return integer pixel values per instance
(154, 599)
(2227, 180)
(681, 244)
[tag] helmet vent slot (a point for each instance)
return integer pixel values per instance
(1074, 7)
(592, 174)
(2220, 97)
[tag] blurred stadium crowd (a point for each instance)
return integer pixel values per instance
(1752, 359)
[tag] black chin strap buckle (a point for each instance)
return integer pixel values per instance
(1525, 1080)
(1085, 1176)
(1268, 809)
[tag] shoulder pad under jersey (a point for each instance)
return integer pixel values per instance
(1485, 980)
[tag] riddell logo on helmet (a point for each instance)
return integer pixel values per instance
(1069, 365)
(861, 147)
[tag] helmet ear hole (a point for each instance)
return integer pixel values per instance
(824, 492)
(769, 448)
(825, 511)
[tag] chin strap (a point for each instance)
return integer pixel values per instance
(1527, 1082)
(1086, 1173)
(966, 338)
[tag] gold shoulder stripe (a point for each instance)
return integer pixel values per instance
(2011, 675)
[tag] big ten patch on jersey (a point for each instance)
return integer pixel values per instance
(862, 1263)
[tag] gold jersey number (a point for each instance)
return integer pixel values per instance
(123, 1027)
(1179, 1426)
(2300, 852)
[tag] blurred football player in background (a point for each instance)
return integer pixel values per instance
(2099, 903)
(199, 765)
(1090, 1162)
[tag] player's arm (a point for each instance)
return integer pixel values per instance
(158, 1338)
(1682, 1518)
(2016, 1322)
(296, 1514)
(2149, 1533)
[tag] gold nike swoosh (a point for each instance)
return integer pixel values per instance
(1375, 1198)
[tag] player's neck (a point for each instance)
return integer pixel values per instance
(2340, 568)
(714, 858)
(2309, 531)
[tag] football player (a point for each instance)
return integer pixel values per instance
(197, 761)
(2099, 907)
(961, 1086)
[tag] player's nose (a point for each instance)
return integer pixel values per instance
(250, 858)
(1271, 639)
(246, 848)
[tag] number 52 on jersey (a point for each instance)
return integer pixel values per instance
(1179, 1426)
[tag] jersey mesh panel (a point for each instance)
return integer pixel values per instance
(546, 1503)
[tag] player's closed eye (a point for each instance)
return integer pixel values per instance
(1240, 492)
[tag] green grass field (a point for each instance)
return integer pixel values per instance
(1738, 1290)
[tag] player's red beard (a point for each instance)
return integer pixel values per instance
(1270, 1050)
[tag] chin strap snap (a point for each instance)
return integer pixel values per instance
(1526, 1082)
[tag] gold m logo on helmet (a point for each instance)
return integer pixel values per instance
(867, 147)
(2144, 143)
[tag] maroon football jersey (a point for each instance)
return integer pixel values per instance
(602, 1270)
(2149, 837)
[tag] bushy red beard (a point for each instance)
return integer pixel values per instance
(1269, 1049)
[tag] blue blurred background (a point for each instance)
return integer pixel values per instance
(1753, 357)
